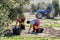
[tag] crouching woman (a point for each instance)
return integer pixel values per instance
(35, 25)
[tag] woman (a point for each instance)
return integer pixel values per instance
(35, 25)
(21, 21)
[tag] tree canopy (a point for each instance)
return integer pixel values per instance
(11, 8)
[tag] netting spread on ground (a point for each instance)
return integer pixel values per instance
(48, 31)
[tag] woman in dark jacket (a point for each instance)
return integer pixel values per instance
(21, 21)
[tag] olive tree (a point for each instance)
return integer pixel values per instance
(56, 6)
(10, 9)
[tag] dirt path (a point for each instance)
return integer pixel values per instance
(44, 34)
(47, 30)
(25, 33)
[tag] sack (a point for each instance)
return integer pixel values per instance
(16, 31)
(41, 30)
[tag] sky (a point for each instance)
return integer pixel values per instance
(37, 1)
(59, 2)
(46, 1)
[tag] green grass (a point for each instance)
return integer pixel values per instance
(54, 25)
(43, 25)
(49, 25)
(29, 38)
(49, 20)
